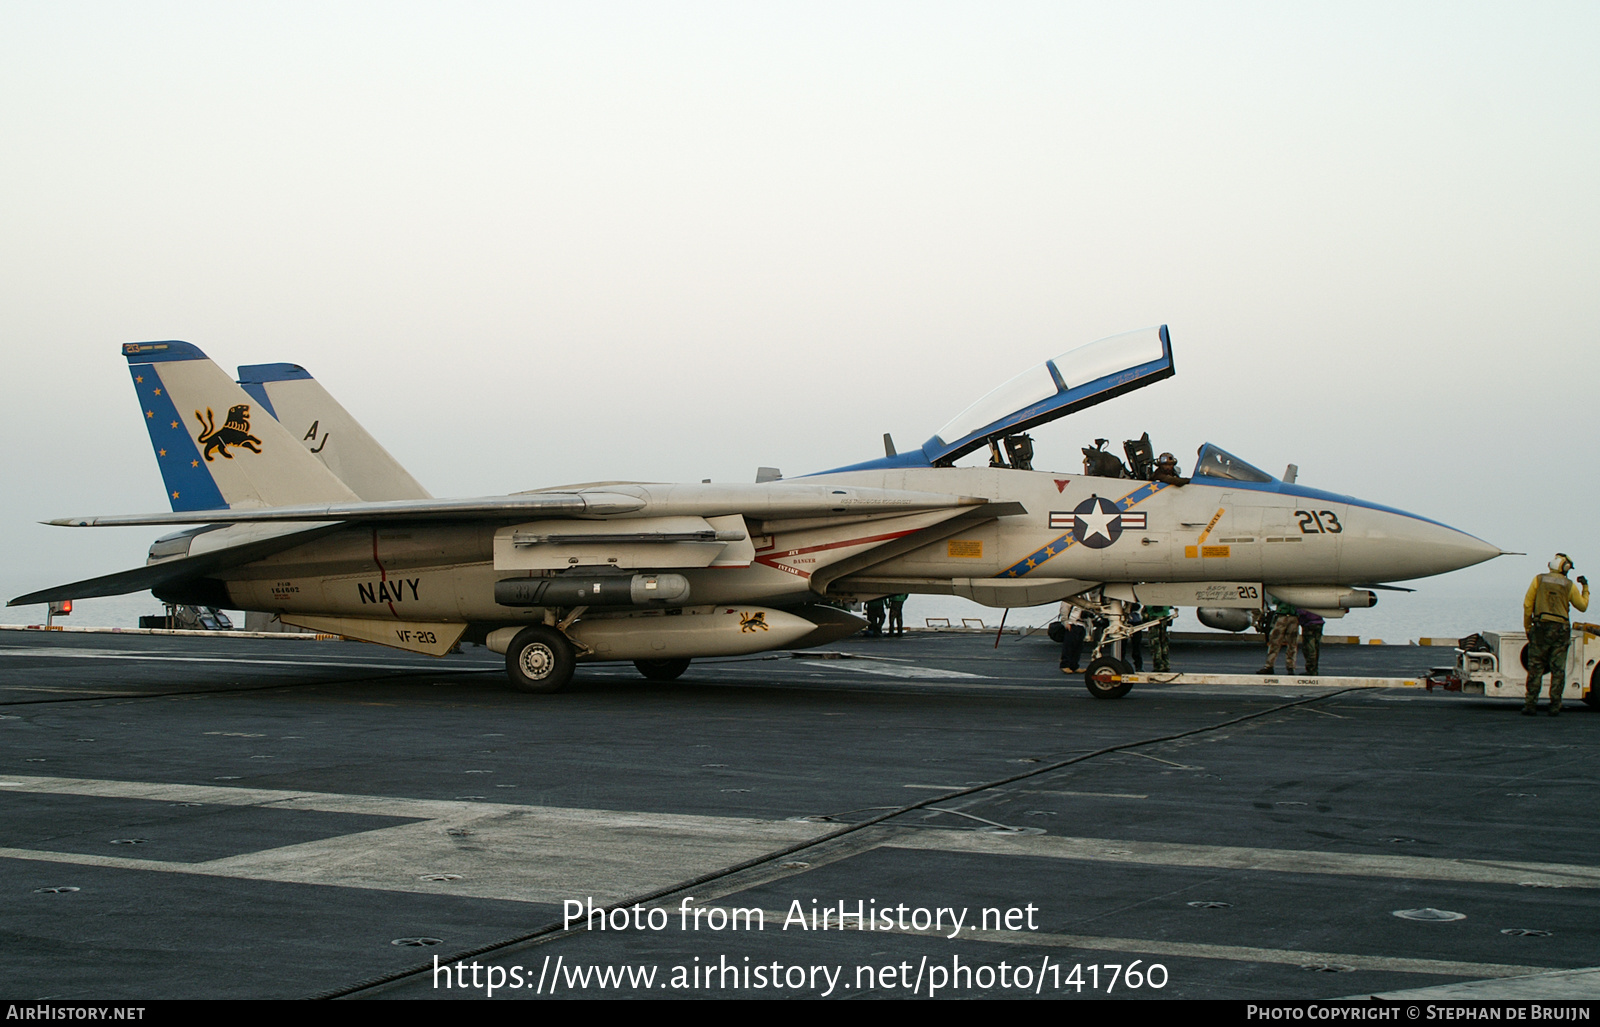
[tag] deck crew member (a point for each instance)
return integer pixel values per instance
(1160, 637)
(1311, 640)
(875, 612)
(1284, 634)
(897, 615)
(1544, 618)
(1074, 632)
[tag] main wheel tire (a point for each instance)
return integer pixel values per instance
(662, 670)
(539, 659)
(1593, 698)
(1104, 678)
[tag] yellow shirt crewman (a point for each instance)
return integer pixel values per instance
(1544, 617)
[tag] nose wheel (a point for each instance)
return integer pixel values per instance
(1104, 678)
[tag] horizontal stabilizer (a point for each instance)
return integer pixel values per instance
(169, 572)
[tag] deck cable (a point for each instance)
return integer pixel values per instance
(556, 927)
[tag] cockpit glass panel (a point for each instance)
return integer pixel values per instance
(1108, 356)
(1026, 389)
(1219, 463)
(1076, 367)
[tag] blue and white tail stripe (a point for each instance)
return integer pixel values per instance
(189, 483)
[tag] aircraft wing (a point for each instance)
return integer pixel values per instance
(769, 500)
(167, 572)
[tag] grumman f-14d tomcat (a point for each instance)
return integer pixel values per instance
(303, 515)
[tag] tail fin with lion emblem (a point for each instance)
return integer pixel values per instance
(215, 447)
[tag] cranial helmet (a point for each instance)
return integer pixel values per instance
(1561, 564)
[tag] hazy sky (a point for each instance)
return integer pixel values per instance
(533, 244)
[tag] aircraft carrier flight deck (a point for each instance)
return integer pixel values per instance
(212, 817)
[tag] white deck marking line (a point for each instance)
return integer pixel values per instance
(905, 671)
(1580, 985)
(1087, 795)
(1228, 857)
(1028, 791)
(1193, 950)
(1158, 759)
(119, 655)
(547, 853)
(514, 852)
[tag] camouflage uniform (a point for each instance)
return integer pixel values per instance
(1547, 651)
(1311, 640)
(1545, 616)
(1284, 635)
(1160, 641)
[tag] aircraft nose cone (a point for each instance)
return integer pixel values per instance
(1398, 547)
(1445, 549)
(1460, 550)
(1476, 550)
(1414, 548)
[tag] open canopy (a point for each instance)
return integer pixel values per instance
(1076, 379)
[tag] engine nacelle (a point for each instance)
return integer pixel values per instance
(1223, 618)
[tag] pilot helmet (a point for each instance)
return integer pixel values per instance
(1561, 564)
(1166, 458)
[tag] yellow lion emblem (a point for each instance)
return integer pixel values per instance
(752, 622)
(235, 431)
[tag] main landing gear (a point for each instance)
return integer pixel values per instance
(540, 659)
(662, 670)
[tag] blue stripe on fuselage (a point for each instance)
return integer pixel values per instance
(1301, 492)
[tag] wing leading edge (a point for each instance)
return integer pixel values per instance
(769, 500)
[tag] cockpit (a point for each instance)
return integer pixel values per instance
(1075, 380)
(1216, 462)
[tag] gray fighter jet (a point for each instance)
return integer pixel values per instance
(300, 513)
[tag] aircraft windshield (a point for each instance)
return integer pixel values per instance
(1214, 462)
(1077, 378)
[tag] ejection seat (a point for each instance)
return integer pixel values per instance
(1141, 457)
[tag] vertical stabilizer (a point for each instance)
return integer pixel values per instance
(215, 447)
(326, 429)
